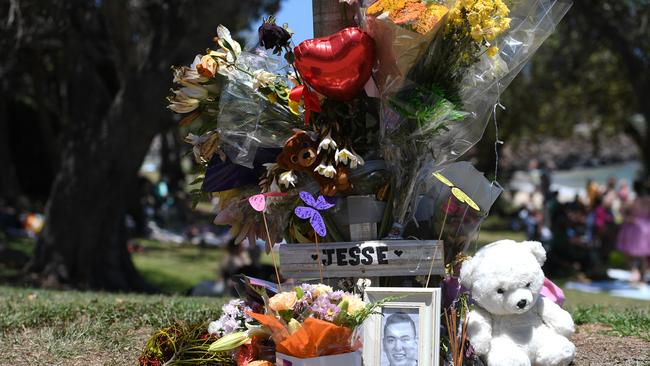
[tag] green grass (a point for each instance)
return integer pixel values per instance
(81, 328)
(626, 322)
(85, 327)
(177, 268)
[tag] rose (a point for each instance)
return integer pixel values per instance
(283, 301)
(272, 35)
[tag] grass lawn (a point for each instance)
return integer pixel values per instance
(177, 268)
(90, 328)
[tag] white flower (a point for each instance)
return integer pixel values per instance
(194, 90)
(346, 157)
(349, 2)
(215, 327)
(326, 170)
(189, 74)
(321, 289)
(262, 78)
(227, 43)
(182, 103)
(288, 178)
(326, 143)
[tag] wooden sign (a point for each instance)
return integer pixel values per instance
(362, 259)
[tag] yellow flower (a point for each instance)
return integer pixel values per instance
(492, 51)
(283, 301)
(355, 304)
(294, 107)
(272, 97)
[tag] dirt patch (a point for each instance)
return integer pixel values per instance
(597, 347)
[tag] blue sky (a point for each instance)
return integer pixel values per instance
(297, 13)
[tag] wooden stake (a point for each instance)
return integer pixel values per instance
(275, 264)
(444, 221)
(320, 264)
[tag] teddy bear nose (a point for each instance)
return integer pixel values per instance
(522, 304)
(306, 155)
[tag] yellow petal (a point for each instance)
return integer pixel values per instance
(444, 180)
(463, 197)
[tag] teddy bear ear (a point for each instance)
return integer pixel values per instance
(537, 249)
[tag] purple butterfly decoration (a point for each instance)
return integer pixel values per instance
(311, 212)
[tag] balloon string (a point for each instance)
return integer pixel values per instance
(320, 264)
(435, 252)
(275, 263)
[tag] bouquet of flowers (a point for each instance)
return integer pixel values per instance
(314, 320)
(284, 119)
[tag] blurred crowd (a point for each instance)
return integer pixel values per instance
(585, 235)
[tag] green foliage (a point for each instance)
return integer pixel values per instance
(628, 322)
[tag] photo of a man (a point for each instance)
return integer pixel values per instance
(399, 338)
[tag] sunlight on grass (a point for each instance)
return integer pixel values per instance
(177, 268)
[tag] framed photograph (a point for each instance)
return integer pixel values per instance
(407, 332)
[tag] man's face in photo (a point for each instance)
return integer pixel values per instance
(400, 344)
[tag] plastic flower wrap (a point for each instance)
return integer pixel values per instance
(279, 118)
(438, 108)
(314, 320)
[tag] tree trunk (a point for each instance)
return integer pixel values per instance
(83, 243)
(119, 59)
(9, 184)
(330, 16)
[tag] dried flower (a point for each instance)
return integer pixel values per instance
(189, 73)
(205, 146)
(207, 67)
(272, 35)
(232, 47)
(182, 103)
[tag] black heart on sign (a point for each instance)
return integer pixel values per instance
(398, 252)
(314, 256)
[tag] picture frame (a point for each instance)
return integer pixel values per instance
(408, 329)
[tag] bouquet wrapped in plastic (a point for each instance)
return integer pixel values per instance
(311, 321)
(281, 119)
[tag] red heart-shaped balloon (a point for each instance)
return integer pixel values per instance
(337, 66)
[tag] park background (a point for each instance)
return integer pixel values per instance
(100, 246)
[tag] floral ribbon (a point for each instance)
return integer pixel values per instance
(311, 100)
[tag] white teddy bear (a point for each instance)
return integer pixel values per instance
(511, 324)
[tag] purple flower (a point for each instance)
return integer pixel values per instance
(323, 309)
(451, 291)
(336, 296)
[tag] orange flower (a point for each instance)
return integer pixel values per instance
(283, 301)
(208, 66)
